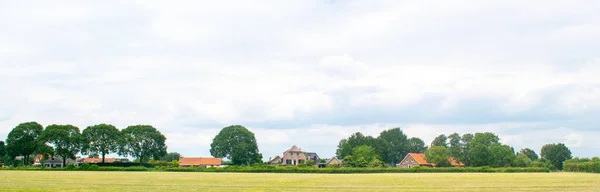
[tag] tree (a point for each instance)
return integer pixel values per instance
(395, 143)
(503, 155)
(522, 160)
(173, 156)
(346, 146)
(65, 139)
(529, 153)
(101, 139)
(465, 142)
(479, 155)
(438, 155)
(2, 149)
(23, 140)
(440, 141)
(455, 147)
(143, 142)
(237, 144)
(479, 152)
(556, 153)
(362, 156)
(416, 145)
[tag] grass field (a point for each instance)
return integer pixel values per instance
(170, 181)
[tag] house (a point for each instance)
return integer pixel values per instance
(55, 162)
(274, 160)
(96, 160)
(334, 161)
(312, 156)
(199, 162)
(295, 156)
(418, 159)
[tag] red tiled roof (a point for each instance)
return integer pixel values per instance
(420, 158)
(199, 161)
(98, 160)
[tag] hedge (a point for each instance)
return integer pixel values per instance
(273, 169)
(582, 165)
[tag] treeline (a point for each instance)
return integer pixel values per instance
(472, 150)
(583, 165)
(142, 142)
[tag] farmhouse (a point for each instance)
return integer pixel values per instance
(274, 160)
(418, 159)
(56, 162)
(199, 162)
(334, 161)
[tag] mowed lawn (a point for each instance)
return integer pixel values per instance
(171, 181)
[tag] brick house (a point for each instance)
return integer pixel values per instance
(418, 159)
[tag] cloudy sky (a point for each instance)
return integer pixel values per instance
(307, 72)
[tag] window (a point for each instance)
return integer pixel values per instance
(288, 161)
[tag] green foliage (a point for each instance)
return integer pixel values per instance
(346, 146)
(101, 139)
(173, 156)
(440, 141)
(174, 163)
(521, 160)
(143, 142)
(237, 144)
(362, 156)
(529, 153)
(556, 153)
(23, 139)
(395, 144)
(455, 146)
(416, 145)
(2, 149)
(503, 155)
(438, 155)
(85, 166)
(309, 163)
(582, 165)
(70, 167)
(479, 155)
(543, 163)
(465, 145)
(66, 139)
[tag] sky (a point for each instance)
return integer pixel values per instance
(307, 72)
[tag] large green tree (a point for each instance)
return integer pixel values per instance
(101, 139)
(172, 156)
(521, 160)
(557, 153)
(479, 152)
(66, 140)
(23, 140)
(346, 146)
(438, 155)
(237, 144)
(363, 156)
(416, 145)
(2, 149)
(529, 153)
(503, 155)
(395, 144)
(143, 142)
(465, 142)
(440, 140)
(455, 146)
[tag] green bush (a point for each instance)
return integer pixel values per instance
(85, 166)
(70, 167)
(582, 165)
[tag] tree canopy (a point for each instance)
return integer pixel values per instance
(556, 153)
(23, 140)
(66, 140)
(395, 144)
(438, 155)
(101, 139)
(237, 144)
(143, 142)
(503, 155)
(529, 153)
(363, 156)
(440, 141)
(416, 145)
(172, 156)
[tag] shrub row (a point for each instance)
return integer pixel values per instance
(590, 166)
(236, 169)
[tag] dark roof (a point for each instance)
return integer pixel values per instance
(312, 155)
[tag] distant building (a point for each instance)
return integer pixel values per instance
(199, 162)
(294, 156)
(334, 161)
(418, 159)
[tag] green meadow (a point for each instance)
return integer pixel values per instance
(177, 181)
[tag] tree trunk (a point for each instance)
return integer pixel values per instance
(64, 161)
(103, 154)
(25, 160)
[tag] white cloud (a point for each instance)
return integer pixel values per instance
(183, 63)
